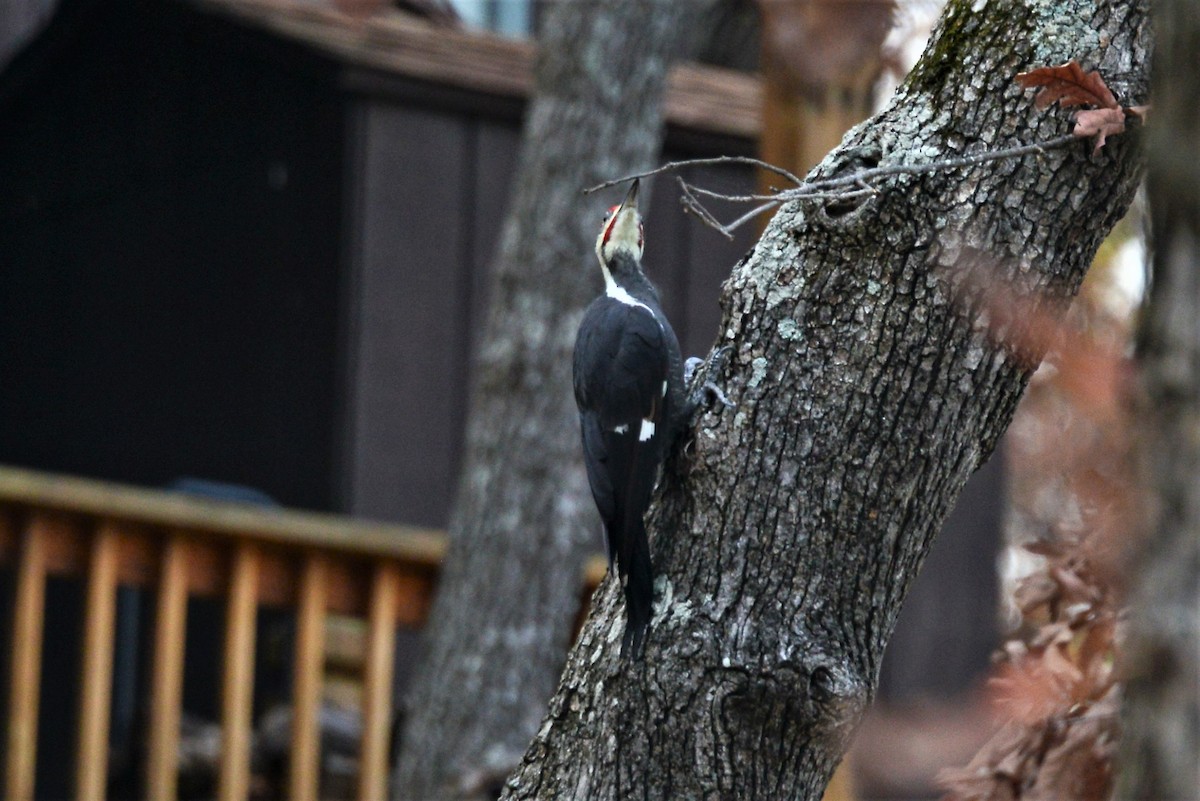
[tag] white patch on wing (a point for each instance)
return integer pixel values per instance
(647, 430)
(621, 429)
(664, 392)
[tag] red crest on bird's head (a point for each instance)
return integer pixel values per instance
(622, 228)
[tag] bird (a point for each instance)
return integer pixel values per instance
(629, 383)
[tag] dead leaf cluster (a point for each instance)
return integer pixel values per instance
(1070, 86)
(1068, 663)
(1069, 759)
(1055, 684)
(1058, 692)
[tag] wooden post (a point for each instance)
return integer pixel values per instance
(166, 687)
(820, 59)
(305, 776)
(238, 689)
(377, 685)
(25, 666)
(100, 612)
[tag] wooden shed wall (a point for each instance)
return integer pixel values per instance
(169, 229)
(252, 258)
(433, 187)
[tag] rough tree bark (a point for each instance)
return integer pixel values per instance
(523, 521)
(871, 377)
(1162, 705)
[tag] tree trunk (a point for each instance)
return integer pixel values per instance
(872, 374)
(1162, 709)
(524, 521)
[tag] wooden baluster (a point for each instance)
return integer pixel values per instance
(100, 613)
(166, 684)
(25, 666)
(238, 689)
(309, 661)
(377, 684)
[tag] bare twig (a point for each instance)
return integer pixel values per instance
(691, 204)
(699, 190)
(747, 217)
(875, 173)
(865, 181)
(675, 165)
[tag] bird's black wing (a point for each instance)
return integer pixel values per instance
(620, 371)
(621, 367)
(621, 363)
(595, 459)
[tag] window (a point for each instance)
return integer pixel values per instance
(506, 17)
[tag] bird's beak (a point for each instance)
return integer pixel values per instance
(630, 201)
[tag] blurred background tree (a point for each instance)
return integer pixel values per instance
(1162, 703)
(523, 521)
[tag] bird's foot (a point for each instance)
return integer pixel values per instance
(705, 393)
(714, 394)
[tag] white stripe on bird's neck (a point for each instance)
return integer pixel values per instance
(618, 292)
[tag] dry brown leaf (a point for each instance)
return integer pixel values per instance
(1100, 123)
(1075, 588)
(1095, 656)
(1012, 764)
(1057, 685)
(1032, 691)
(1079, 764)
(1093, 372)
(1035, 591)
(991, 773)
(1056, 632)
(980, 785)
(1047, 548)
(1069, 85)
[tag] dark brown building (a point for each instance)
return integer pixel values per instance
(250, 243)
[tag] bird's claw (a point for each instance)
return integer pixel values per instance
(715, 393)
(706, 391)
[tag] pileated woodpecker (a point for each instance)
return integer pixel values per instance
(629, 386)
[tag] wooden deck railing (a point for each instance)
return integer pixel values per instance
(180, 546)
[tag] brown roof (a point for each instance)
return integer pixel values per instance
(703, 98)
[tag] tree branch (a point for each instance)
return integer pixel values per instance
(675, 165)
(866, 181)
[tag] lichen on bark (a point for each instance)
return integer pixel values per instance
(870, 379)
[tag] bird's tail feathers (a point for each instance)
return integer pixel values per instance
(639, 589)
